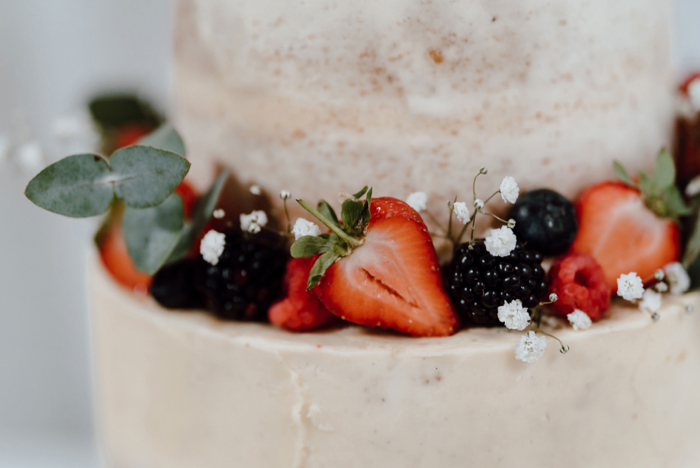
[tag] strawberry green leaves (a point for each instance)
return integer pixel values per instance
(660, 192)
(84, 185)
(165, 138)
(151, 234)
(345, 237)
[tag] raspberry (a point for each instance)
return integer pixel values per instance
(579, 282)
(247, 279)
(478, 283)
(300, 310)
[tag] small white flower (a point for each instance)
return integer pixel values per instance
(693, 187)
(30, 157)
(514, 315)
(579, 320)
(285, 195)
(630, 286)
(530, 347)
(661, 287)
(500, 242)
(212, 246)
(462, 212)
(483, 170)
(509, 190)
(694, 94)
(254, 221)
(479, 204)
(511, 223)
(418, 201)
(303, 227)
(677, 277)
(553, 297)
(659, 275)
(255, 190)
(651, 301)
(219, 213)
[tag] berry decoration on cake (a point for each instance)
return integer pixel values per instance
(580, 284)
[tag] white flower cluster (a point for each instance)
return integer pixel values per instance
(462, 212)
(509, 190)
(500, 242)
(579, 320)
(672, 277)
(212, 246)
(514, 315)
(677, 278)
(253, 222)
(303, 227)
(418, 201)
(530, 347)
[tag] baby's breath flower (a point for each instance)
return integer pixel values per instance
(500, 242)
(219, 213)
(579, 320)
(212, 246)
(509, 190)
(303, 227)
(530, 347)
(651, 301)
(630, 287)
(479, 204)
(285, 195)
(514, 315)
(255, 190)
(677, 277)
(418, 201)
(462, 212)
(254, 221)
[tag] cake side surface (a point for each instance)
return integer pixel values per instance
(183, 389)
(318, 97)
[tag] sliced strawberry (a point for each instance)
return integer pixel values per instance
(189, 197)
(115, 257)
(393, 279)
(622, 234)
(300, 310)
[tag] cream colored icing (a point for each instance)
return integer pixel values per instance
(181, 389)
(322, 96)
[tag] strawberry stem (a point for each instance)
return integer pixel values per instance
(351, 241)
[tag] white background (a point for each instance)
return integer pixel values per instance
(53, 55)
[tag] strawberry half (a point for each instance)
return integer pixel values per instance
(386, 274)
(300, 310)
(618, 228)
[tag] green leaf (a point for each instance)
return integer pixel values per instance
(165, 138)
(145, 176)
(674, 203)
(366, 214)
(351, 212)
(320, 267)
(152, 233)
(622, 174)
(202, 213)
(645, 185)
(77, 186)
(360, 193)
(664, 173)
(308, 246)
(327, 210)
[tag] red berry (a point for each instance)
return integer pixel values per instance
(189, 197)
(116, 259)
(579, 282)
(129, 134)
(300, 310)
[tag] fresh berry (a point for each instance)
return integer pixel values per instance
(579, 283)
(129, 134)
(300, 310)
(173, 286)
(391, 278)
(247, 279)
(545, 221)
(479, 283)
(115, 257)
(622, 234)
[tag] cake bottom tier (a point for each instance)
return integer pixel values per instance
(181, 389)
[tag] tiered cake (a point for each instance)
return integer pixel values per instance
(320, 96)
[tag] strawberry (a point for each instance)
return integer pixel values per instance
(130, 134)
(579, 283)
(189, 197)
(630, 227)
(685, 86)
(115, 257)
(300, 310)
(378, 267)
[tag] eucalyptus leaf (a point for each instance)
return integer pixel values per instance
(664, 172)
(623, 175)
(327, 210)
(165, 138)
(308, 246)
(145, 176)
(77, 186)
(202, 213)
(320, 267)
(152, 233)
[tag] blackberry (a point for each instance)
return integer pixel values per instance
(247, 279)
(173, 286)
(478, 283)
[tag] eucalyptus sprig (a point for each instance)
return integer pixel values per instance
(344, 237)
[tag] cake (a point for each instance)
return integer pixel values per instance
(315, 97)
